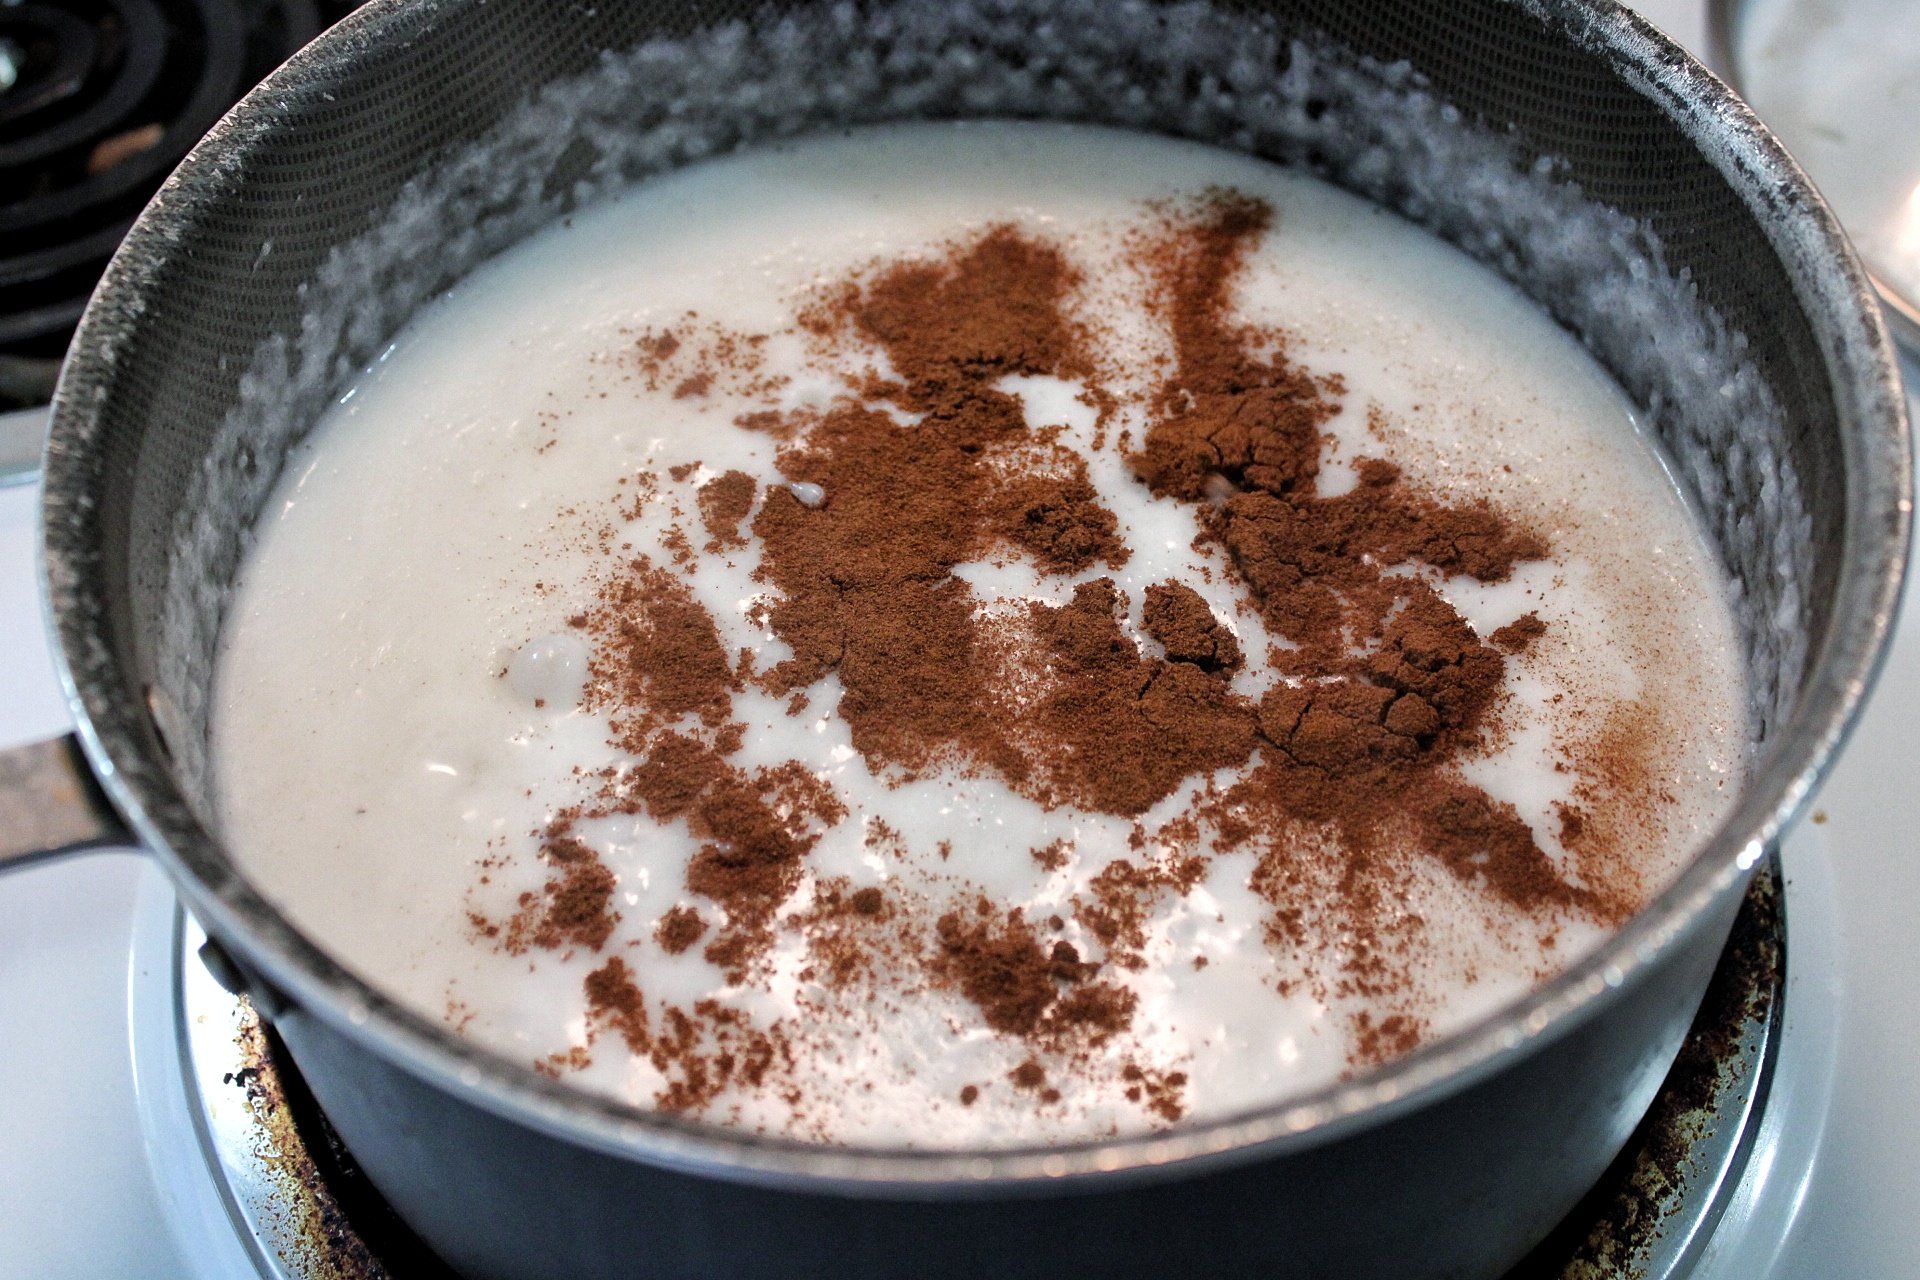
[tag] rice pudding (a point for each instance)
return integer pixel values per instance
(968, 635)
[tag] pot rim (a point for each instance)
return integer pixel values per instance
(1838, 299)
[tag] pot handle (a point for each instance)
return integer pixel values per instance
(51, 806)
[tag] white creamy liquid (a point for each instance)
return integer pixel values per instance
(434, 532)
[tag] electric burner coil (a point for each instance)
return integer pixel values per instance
(99, 99)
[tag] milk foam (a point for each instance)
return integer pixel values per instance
(397, 695)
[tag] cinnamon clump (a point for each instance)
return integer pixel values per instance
(1227, 412)
(679, 929)
(1180, 620)
(1119, 731)
(724, 503)
(574, 908)
(1361, 741)
(866, 581)
(749, 860)
(1161, 1092)
(657, 655)
(1022, 988)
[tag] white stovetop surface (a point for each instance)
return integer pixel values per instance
(1835, 1193)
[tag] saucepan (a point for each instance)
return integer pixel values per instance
(1566, 144)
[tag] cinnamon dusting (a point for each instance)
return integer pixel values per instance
(1344, 772)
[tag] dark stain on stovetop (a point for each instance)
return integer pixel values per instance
(340, 1227)
(1608, 1233)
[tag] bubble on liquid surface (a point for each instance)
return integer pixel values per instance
(550, 670)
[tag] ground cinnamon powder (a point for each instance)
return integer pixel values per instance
(930, 465)
(724, 503)
(866, 578)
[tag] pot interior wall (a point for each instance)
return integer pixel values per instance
(419, 139)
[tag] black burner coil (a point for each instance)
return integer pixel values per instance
(99, 99)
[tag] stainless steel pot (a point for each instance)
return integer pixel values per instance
(1566, 143)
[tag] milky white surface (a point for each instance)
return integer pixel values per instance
(377, 726)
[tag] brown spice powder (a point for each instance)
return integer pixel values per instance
(866, 578)
(574, 908)
(679, 929)
(1120, 732)
(724, 503)
(701, 1052)
(657, 656)
(1353, 755)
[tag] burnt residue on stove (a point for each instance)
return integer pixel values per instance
(1613, 1231)
(336, 1224)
